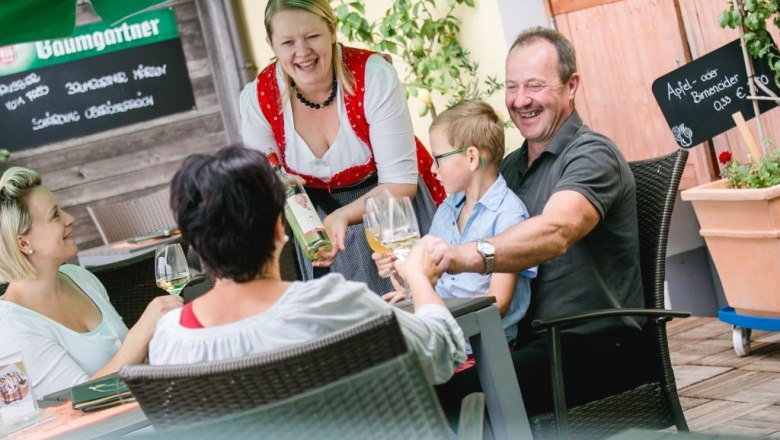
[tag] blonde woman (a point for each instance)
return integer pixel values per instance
(58, 315)
(337, 117)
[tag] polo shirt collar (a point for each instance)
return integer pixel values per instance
(491, 199)
(565, 134)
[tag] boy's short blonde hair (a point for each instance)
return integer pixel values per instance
(474, 122)
(15, 220)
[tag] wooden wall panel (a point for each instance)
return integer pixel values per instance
(563, 6)
(622, 47)
(134, 160)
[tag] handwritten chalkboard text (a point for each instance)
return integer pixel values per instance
(699, 98)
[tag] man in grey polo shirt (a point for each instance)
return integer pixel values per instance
(582, 233)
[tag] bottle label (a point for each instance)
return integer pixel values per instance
(304, 212)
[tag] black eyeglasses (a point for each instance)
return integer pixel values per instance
(437, 157)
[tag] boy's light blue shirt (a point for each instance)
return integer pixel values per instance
(498, 209)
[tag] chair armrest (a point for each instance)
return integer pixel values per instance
(472, 417)
(659, 315)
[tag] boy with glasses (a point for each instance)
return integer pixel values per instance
(467, 144)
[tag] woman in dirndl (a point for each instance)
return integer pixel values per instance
(337, 117)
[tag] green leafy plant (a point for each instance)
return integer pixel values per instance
(4, 155)
(425, 36)
(753, 16)
(761, 174)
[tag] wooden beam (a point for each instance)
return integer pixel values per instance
(565, 6)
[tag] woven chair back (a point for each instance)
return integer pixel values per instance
(653, 404)
(184, 394)
(657, 181)
(391, 400)
(131, 218)
(130, 285)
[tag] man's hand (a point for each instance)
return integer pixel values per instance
(441, 253)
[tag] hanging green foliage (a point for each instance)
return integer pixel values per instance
(754, 15)
(425, 36)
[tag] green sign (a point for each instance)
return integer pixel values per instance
(90, 40)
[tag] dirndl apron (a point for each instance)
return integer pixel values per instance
(346, 186)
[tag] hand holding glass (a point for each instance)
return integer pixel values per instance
(170, 268)
(399, 227)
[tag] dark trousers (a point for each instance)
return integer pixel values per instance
(595, 366)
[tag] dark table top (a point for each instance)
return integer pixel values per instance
(457, 306)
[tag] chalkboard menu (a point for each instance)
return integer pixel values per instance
(699, 98)
(100, 78)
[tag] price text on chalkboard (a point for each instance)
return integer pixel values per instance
(699, 98)
(100, 78)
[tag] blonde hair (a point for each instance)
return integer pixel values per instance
(322, 9)
(15, 220)
(474, 122)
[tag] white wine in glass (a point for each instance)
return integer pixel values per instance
(400, 230)
(373, 232)
(170, 268)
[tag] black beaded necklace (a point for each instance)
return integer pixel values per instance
(327, 102)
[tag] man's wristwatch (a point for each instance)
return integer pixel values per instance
(488, 253)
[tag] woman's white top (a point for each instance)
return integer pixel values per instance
(55, 356)
(390, 130)
(308, 310)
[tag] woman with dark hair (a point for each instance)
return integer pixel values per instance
(229, 208)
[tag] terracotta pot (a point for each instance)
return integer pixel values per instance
(742, 231)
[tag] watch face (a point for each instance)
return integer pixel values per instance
(485, 248)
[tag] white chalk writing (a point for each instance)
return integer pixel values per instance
(109, 108)
(14, 103)
(20, 84)
(96, 83)
(38, 92)
(143, 72)
(725, 84)
(51, 120)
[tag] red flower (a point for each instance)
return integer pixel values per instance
(724, 157)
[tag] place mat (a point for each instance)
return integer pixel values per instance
(69, 419)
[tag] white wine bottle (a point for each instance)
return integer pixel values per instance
(300, 213)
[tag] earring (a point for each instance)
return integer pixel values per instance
(286, 238)
(29, 252)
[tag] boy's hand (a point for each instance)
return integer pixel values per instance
(384, 264)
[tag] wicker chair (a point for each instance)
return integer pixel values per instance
(390, 400)
(131, 218)
(655, 404)
(184, 394)
(130, 285)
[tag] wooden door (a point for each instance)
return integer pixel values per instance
(622, 47)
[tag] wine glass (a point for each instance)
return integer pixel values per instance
(170, 268)
(399, 228)
(373, 231)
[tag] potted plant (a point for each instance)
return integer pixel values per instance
(740, 222)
